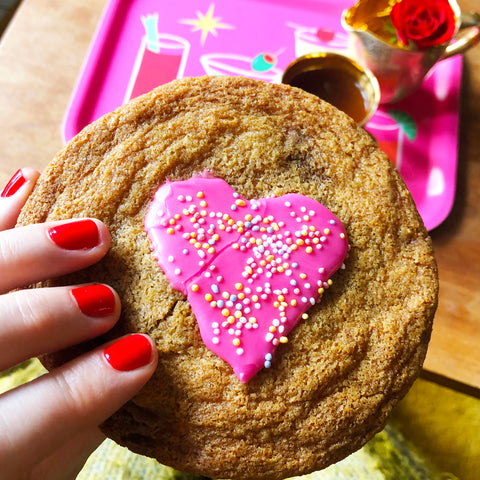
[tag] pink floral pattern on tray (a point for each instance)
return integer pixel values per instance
(140, 44)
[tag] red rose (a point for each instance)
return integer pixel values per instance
(426, 23)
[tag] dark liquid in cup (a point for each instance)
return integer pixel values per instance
(336, 87)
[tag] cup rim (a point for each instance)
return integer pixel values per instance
(373, 92)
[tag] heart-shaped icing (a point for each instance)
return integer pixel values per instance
(250, 268)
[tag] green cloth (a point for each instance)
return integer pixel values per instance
(433, 431)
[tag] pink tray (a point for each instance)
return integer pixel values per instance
(143, 43)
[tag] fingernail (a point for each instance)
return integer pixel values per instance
(79, 235)
(95, 300)
(129, 353)
(14, 184)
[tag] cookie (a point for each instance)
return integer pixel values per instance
(328, 389)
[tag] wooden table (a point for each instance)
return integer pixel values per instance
(41, 54)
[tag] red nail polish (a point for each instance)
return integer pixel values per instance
(14, 184)
(95, 300)
(79, 235)
(129, 353)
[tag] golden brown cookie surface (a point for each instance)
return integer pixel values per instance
(332, 386)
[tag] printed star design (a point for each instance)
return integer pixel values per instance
(206, 23)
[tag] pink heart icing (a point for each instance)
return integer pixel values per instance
(250, 268)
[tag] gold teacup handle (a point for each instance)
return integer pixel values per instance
(467, 37)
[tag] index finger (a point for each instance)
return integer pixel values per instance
(37, 252)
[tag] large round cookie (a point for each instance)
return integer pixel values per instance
(331, 387)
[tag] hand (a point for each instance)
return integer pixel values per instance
(48, 427)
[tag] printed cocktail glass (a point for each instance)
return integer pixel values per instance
(238, 65)
(157, 64)
(389, 135)
(308, 40)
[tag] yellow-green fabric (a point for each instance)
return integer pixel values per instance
(432, 435)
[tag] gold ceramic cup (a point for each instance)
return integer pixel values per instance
(337, 79)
